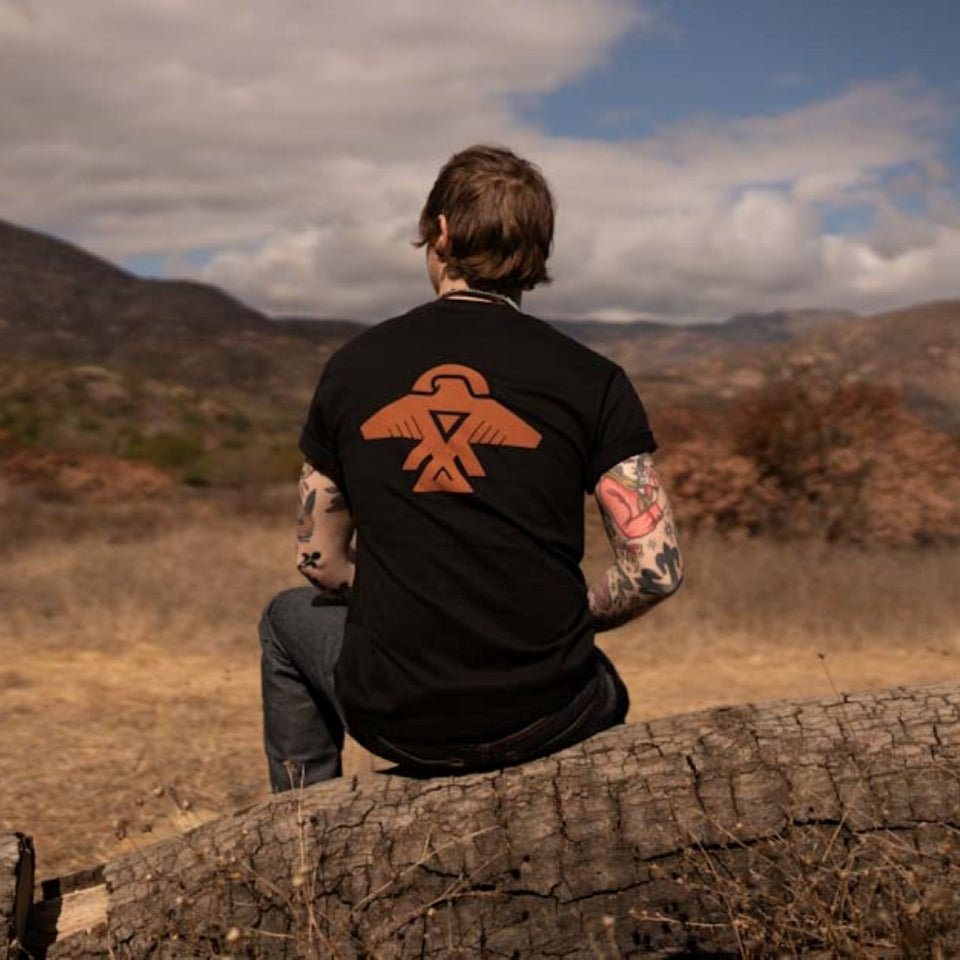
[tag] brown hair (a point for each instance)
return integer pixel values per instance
(499, 214)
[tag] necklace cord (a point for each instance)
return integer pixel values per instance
(487, 295)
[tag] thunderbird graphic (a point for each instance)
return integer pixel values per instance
(449, 410)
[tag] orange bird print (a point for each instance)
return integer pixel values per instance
(449, 410)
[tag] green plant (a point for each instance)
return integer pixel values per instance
(166, 449)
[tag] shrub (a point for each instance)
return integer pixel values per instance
(846, 463)
(166, 449)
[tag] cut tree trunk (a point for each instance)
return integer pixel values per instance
(824, 827)
(16, 891)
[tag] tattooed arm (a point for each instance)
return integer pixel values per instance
(647, 567)
(324, 529)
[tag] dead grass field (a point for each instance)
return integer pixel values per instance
(129, 700)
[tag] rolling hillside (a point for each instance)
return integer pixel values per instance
(58, 302)
(760, 417)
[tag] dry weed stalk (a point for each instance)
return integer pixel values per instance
(826, 888)
(307, 931)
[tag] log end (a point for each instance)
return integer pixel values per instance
(68, 906)
(16, 891)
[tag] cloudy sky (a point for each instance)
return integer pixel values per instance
(708, 157)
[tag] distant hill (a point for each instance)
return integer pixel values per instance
(176, 373)
(309, 326)
(915, 349)
(60, 302)
(186, 376)
(745, 328)
(650, 349)
(48, 284)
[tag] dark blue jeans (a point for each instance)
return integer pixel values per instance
(303, 723)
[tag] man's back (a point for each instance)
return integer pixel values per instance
(457, 442)
(463, 436)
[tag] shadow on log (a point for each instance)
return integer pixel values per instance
(823, 827)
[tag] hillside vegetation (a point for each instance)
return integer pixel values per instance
(788, 424)
(805, 457)
(54, 414)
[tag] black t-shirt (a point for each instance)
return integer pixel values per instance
(463, 436)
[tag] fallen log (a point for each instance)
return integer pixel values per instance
(823, 827)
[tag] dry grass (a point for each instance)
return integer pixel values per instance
(826, 892)
(129, 697)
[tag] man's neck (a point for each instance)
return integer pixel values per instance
(460, 289)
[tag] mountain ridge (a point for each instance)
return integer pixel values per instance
(59, 302)
(792, 423)
(33, 264)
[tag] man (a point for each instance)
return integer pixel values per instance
(457, 440)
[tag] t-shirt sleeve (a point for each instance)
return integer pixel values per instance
(622, 429)
(317, 440)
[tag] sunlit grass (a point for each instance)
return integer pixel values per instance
(129, 657)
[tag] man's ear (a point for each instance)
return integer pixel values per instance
(443, 237)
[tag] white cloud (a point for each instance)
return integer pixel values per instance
(297, 141)
(709, 219)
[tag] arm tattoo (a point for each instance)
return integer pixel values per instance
(639, 524)
(324, 553)
(309, 565)
(337, 500)
(305, 521)
(668, 563)
(308, 501)
(634, 496)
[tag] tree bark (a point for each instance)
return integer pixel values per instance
(823, 827)
(16, 891)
